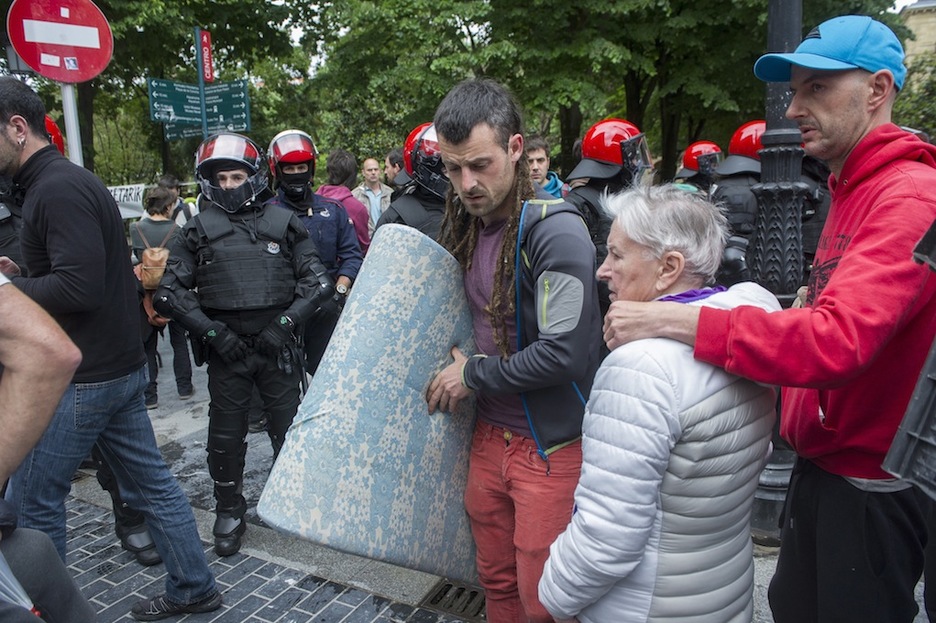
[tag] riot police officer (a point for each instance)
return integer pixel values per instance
(292, 156)
(615, 156)
(421, 204)
(242, 280)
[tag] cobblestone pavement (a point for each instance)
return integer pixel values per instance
(255, 590)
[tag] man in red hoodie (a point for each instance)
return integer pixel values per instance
(852, 538)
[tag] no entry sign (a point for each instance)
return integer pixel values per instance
(64, 40)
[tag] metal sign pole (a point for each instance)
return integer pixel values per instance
(201, 82)
(72, 132)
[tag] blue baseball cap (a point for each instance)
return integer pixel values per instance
(847, 42)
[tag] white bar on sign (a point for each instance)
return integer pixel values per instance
(36, 31)
(50, 59)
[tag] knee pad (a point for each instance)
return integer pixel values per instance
(226, 446)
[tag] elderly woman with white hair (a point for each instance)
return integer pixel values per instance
(672, 447)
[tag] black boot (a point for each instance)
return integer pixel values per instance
(228, 531)
(128, 524)
(138, 541)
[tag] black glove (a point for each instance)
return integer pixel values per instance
(225, 342)
(734, 268)
(275, 336)
(332, 306)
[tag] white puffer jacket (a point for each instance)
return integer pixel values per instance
(672, 449)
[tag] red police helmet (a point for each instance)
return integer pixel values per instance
(292, 147)
(425, 160)
(746, 141)
(743, 156)
(603, 140)
(699, 148)
(226, 151)
(611, 147)
(701, 156)
(410, 145)
(55, 135)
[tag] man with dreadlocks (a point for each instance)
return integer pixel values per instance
(529, 272)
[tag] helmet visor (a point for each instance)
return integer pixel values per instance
(708, 163)
(229, 147)
(294, 147)
(636, 159)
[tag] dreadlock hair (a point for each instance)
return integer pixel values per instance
(467, 105)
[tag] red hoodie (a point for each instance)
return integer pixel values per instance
(850, 359)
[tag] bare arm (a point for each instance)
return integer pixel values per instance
(39, 361)
(627, 321)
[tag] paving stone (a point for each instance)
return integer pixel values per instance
(243, 608)
(368, 610)
(255, 590)
(399, 612)
(246, 585)
(352, 597)
(332, 613)
(317, 601)
(270, 570)
(421, 615)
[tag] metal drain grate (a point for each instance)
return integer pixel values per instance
(462, 600)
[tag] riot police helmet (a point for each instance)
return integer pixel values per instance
(292, 147)
(224, 153)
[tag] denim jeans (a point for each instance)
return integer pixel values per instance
(517, 510)
(112, 413)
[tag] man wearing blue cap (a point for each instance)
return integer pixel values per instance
(852, 538)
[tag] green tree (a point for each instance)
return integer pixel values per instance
(915, 106)
(385, 66)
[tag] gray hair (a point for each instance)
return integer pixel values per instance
(667, 218)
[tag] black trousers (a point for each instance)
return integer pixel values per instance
(318, 332)
(230, 386)
(846, 554)
(181, 362)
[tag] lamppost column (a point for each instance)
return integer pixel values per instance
(776, 256)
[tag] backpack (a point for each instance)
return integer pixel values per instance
(153, 260)
(184, 208)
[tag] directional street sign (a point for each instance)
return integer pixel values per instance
(176, 102)
(175, 131)
(227, 104)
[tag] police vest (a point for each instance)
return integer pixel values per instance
(416, 215)
(740, 203)
(238, 269)
(588, 201)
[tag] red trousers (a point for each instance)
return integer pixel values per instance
(518, 504)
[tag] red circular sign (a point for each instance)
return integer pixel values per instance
(63, 40)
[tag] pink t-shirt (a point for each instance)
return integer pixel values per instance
(503, 410)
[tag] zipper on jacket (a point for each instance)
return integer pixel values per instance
(545, 298)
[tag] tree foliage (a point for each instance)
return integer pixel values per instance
(360, 74)
(916, 104)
